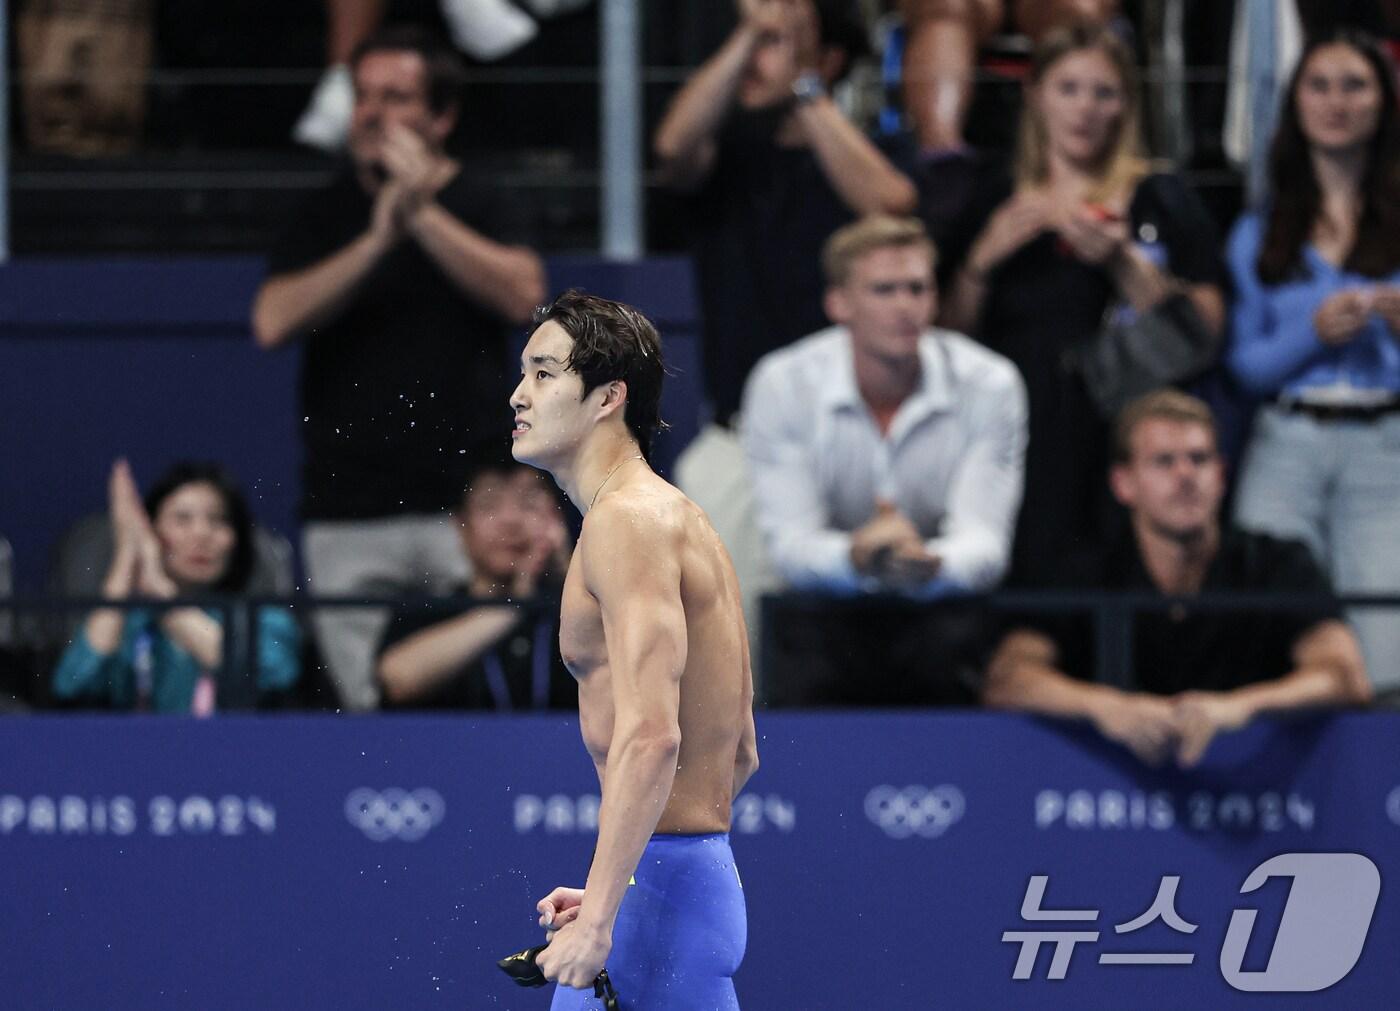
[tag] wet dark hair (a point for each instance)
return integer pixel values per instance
(240, 561)
(446, 73)
(1295, 198)
(613, 341)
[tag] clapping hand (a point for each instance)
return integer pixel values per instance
(128, 515)
(412, 166)
(413, 174)
(137, 562)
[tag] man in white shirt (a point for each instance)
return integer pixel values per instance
(886, 458)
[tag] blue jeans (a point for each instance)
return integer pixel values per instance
(1335, 486)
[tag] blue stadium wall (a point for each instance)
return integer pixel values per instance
(336, 863)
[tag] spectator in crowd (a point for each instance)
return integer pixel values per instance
(940, 54)
(772, 167)
(491, 656)
(1037, 265)
(886, 457)
(192, 536)
(1267, 38)
(484, 29)
(1194, 674)
(395, 277)
(1316, 325)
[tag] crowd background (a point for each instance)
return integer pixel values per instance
(198, 148)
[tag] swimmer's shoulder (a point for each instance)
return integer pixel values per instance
(646, 513)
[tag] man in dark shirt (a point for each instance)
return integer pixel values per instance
(1195, 674)
(403, 302)
(490, 655)
(771, 167)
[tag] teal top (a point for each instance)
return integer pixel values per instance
(147, 655)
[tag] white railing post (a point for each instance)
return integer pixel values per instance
(620, 129)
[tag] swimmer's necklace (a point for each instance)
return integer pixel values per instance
(609, 478)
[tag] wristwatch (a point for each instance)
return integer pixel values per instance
(808, 87)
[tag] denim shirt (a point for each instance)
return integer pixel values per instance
(1275, 350)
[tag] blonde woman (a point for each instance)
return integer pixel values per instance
(1084, 227)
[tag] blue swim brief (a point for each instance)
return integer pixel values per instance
(680, 931)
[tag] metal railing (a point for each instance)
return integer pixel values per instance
(45, 623)
(1112, 614)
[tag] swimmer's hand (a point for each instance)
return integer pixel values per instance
(559, 908)
(524, 969)
(575, 954)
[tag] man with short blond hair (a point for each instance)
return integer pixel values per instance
(886, 458)
(876, 231)
(1195, 674)
(1162, 405)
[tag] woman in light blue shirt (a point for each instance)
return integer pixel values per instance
(193, 535)
(1317, 331)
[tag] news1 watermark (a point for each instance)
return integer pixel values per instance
(1331, 902)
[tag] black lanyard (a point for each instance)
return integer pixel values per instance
(540, 667)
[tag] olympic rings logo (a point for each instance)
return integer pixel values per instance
(394, 813)
(914, 810)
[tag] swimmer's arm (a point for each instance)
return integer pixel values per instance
(631, 565)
